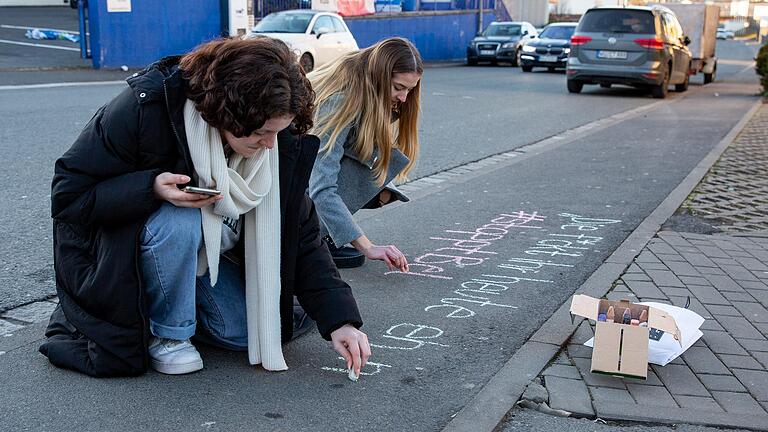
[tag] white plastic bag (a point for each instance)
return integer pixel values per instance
(663, 347)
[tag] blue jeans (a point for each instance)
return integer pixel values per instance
(178, 300)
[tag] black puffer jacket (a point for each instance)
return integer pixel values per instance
(102, 195)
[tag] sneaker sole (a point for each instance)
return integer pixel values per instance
(177, 369)
(351, 262)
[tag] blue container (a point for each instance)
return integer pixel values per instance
(388, 6)
(409, 5)
(430, 5)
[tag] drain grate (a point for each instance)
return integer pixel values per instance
(734, 194)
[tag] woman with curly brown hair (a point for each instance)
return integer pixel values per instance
(143, 265)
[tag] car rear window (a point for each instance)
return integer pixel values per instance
(617, 21)
(557, 32)
(502, 30)
(284, 23)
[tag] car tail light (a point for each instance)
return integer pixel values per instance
(580, 40)
(654, 44)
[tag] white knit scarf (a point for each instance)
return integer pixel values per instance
(250, 186)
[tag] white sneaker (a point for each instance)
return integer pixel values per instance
(174, 357)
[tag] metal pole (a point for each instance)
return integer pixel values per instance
(480, 17)
(82, 17)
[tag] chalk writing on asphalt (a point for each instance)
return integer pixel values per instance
(410, 336)
(371, 368)
(461, 251)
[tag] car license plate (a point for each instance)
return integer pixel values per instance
(487, 52)
(548, 59)
(612, 54)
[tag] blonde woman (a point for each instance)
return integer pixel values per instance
(367, 121)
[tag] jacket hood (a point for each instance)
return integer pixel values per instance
(151, 80)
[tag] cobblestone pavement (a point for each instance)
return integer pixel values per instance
(734, 194)
(722, 379)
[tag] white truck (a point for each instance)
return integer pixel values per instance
(699, 22)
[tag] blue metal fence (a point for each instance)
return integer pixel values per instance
(263, 8)
(438, 36)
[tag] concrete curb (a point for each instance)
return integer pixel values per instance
(619, 411)
(489, 407)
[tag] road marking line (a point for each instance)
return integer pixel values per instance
(734, 62)
(41, 28)
(751, 65)
(39, 45)
(64, 84)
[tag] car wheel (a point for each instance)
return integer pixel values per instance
(526, 68)
(516, 62)
(660, 91)
(307, 62)
(575, 86)
(471, 62)
(684, 85)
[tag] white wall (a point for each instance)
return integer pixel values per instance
(578, 7)
(534, 11)
(32, 3)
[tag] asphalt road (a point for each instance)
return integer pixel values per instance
(441, 332)
(48, 60)
(468, 113)
(60, 54)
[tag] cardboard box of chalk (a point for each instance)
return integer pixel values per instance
(621, 334)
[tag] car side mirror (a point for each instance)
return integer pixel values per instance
(686, 40)
(321, 31)
(525, 32)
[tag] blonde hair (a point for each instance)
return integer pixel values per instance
(364, 78)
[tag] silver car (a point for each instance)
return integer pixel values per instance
(642, 47)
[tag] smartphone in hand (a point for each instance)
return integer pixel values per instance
(199, 190)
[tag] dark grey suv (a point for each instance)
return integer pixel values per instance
(637, 46)
(500, 42)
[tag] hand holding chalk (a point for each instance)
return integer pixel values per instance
(353, 345)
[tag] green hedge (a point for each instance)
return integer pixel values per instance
(762, 68)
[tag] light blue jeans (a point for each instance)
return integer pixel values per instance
(178, 300)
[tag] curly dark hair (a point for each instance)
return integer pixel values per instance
(239, 84)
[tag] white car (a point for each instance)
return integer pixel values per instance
(316, 37)
(725, 34)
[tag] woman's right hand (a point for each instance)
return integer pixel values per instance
(389, 254)
(165, 189)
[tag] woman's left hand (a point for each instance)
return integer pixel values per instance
(390, 254)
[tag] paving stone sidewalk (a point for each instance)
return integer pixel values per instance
(722, 380)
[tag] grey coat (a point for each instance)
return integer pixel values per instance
(341, 184)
